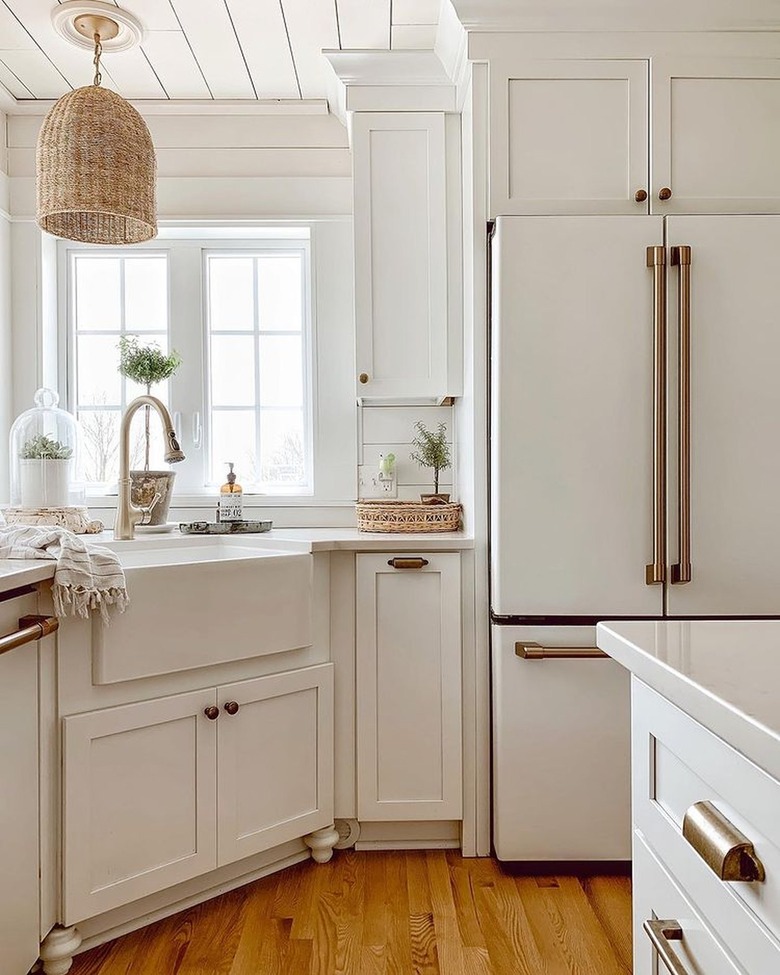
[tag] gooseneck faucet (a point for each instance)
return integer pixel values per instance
(129, 515)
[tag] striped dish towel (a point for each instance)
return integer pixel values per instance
(86, 577)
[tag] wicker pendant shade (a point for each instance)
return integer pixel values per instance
(96, 170)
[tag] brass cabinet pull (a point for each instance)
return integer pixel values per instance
(30, 628)
(725, 850)
(640, 196)
(664, 194)
(533, 651)
(681, 571)
(399, 563)
(232, 707)
(363, 377)
(656, 570)
(662, 934)
(211, 712)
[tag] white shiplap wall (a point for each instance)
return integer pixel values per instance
(390, 429)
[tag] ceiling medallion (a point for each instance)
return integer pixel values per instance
(95, 164)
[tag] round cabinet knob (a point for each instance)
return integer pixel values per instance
(664, 193)
(232, 707)
(212, 713)
(640, 196)
(363, 377)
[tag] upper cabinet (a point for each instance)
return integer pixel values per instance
(568, 137)
(665, 135)
(403, 290)
(714, 140)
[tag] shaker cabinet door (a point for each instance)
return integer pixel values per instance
(408, 689)
(275, 760)
(139, 801)
(568, 137)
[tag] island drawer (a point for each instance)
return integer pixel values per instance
(658, 898)
(677, 763)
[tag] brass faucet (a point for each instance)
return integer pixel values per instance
(129, 515)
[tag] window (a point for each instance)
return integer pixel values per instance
(240, 315)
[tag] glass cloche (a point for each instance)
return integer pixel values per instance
(44, 446)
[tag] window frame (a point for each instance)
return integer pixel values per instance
(179, 249)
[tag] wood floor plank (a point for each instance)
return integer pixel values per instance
(388, 913)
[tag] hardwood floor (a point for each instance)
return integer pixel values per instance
(427, 913)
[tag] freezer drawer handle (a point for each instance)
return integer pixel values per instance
(662, 934)
(533, 651)
(725, 850)
(655, 572)
(397, 563)
(681, 571)
(30, 628)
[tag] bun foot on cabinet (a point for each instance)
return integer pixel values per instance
(321, 843)
(58, 948)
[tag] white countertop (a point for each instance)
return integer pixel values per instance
(16, 573)
(724, 673)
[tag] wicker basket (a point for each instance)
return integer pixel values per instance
(407, 516)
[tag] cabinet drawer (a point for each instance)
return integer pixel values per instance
(657, 896)
(678, 762)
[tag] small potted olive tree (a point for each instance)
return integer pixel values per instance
(432, 450)
(148, 365)
(44, 472)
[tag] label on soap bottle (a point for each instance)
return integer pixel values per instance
(231, 507)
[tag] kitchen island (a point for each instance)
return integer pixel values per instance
(705, 792)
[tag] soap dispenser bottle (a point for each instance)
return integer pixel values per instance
(231, 499)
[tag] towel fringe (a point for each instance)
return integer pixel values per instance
(78, 601)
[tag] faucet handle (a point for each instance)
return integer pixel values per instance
(146, 510)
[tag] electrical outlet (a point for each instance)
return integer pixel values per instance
(372, 484)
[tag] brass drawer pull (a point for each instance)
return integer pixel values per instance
(533, 651)
(725, 850)
(407, 563)
(662, 934)
(30, 628)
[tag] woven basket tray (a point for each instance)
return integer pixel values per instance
(407, 516)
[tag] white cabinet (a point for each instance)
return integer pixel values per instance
(568, 137)
(408, 687)
(142, 807)
(596, 136)
(401, 279)
(275, 760)
(713, 135)
(19, 906)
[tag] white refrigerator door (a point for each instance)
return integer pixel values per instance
(572, 416)
(561, 751)
(735, 416)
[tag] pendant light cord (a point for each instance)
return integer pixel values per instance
(96, 61)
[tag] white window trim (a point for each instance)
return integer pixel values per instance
(334, 476)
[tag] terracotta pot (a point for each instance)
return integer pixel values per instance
(143, 487)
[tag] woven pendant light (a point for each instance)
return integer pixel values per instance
(95, 163)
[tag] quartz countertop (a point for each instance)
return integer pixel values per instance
(724, 673)
(16, 573)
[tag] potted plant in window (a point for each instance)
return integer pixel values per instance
(432, 450)
(148, 365)
(44, 472)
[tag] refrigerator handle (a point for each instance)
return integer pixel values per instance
(655, 572)
(681, 571)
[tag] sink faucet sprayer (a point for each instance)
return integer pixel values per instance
(129, 515)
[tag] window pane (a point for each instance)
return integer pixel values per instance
(282, 447)
(99, 381)
(138, 443)
(231, 293)
(233, 440)
(99, 453)
(98, 293)
(232, 370)
(280, 292)
(281, 370)
(146, 294)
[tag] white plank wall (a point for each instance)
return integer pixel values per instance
(390, 429)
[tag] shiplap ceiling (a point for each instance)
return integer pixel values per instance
(195, 49)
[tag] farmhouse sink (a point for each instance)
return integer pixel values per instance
(196, 604)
